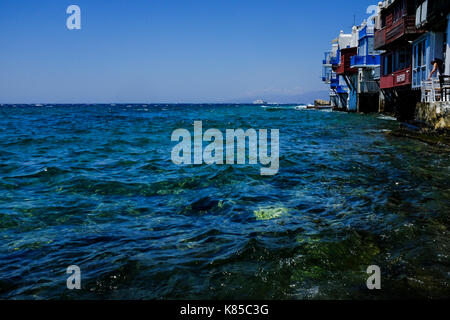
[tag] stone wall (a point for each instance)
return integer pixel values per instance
(435, 115)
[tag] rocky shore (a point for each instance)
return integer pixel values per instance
(434, 116)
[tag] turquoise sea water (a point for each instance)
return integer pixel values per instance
(94, 186)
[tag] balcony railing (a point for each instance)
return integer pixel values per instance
(396, 79)
(379, 39)
(406, 25)
(432, 90)
(329, 58)
(403, 27)
(371, 61)
(346, 57)
(330, 61)
(366, 31)
(334, 83)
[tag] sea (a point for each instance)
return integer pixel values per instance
(94, 186)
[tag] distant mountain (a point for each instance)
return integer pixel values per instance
(307, 97)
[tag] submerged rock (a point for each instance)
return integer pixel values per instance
(425, 135)
(269, 213)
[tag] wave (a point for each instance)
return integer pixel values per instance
(386, 117)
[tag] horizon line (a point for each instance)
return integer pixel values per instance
(140, 103)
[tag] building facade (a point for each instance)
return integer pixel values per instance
(432, 17)
(336, 70)
(395, 31)
(367, 61)
(384, 65)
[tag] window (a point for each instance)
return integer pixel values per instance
(370, 45)
(387, 65)
(399, 10)
(444, 54)
(396, 61)
(418, 56)
(402, 63)
(362, 50)
(419, 62)
(421, 13)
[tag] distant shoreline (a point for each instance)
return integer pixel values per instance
(147, 103)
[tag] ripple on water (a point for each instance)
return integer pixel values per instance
(95, 186)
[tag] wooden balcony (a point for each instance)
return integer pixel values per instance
(396, 79)
(380, 39)
(404, 28)
(346, 61)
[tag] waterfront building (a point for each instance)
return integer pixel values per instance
(346, 72)
(432, 17)
(332, 71)
(367, 61)
(394, 33)
(385, 63)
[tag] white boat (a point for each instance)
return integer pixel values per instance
(260, 101)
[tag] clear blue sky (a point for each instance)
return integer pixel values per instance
(166, 50)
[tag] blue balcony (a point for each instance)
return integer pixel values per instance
(367, 31)
(326, 58)
(334, 60)
(371, 61)
(334, 83)
(329, 59)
